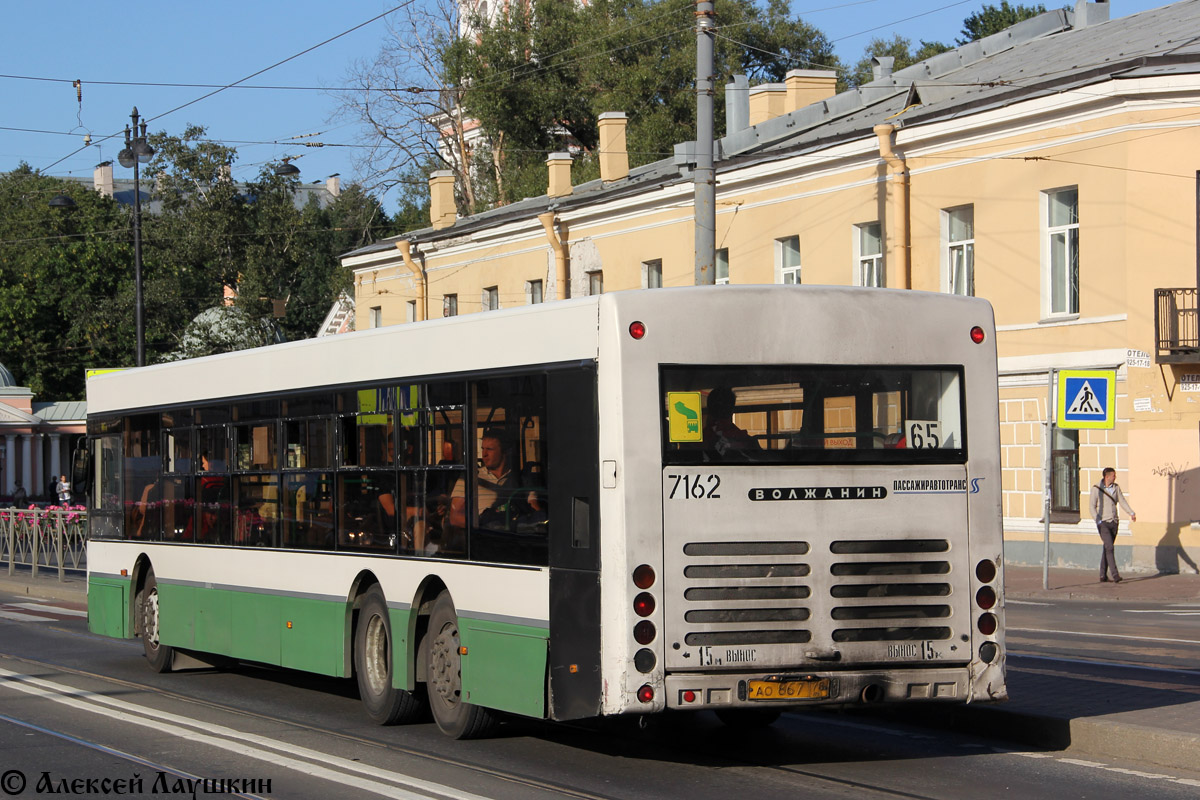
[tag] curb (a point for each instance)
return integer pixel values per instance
(1104, 737)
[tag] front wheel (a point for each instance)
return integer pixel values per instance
(373, 665)
(456, 718)
(159, 656)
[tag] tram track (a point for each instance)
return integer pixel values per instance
(609, 736)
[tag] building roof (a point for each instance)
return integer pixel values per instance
(1045, 55)
(62, 411)
(123, 193)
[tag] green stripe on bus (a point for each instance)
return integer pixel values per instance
(108, 607)
(293, 632)
(505, 666)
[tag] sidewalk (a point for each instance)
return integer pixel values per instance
(1103, 712)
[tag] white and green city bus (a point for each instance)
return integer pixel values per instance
(740, 499)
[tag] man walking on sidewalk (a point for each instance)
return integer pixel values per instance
(1105, 497)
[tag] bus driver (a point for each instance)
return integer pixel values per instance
(494, 488)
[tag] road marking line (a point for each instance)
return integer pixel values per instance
(1096, 662)
(1010, 602)
(71, 612)
(17, 616)
(90, 701)
(1136, 773)
(1081, 763)
(1186, 781)
(1105, 635)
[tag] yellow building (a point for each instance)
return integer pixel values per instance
(1049, 168)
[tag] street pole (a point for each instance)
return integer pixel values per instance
(704, 177)
(137, 151)
(1047, 465)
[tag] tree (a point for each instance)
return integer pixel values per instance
(993, 19)
(60, 270)
(539, 76)
(900, 49)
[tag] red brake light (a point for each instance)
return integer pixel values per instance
(986, 597)
(637, 329)
(646, 693)
(987, 624)
(643, 576)
(977, 335)
(643, 632)
(986, 571)
(643, 604)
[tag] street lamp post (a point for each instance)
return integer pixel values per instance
(137, 151)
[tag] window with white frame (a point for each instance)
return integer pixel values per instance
(533, 292)
(595, 282)
(652, 274)
(376, 316)
(722, 264)
(787, 259)
(450, 305)
(868, 242)
(1060, 250)
(491, 298)
(410, 311)
(959, 238)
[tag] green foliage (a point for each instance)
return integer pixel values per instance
(993, 19)
(66, 276)
(899, 48)
(539, 77)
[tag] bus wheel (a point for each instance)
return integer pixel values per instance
(384, 703)
(747, 719)
(456, 718)
(158, 655)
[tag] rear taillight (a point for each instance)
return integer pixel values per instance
(643, 604)
(985, 598)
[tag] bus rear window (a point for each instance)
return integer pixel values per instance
(812, 415)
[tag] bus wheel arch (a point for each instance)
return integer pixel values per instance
(141, 567)
(424, 598)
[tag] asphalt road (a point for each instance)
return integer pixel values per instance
(75, 707)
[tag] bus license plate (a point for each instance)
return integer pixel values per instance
(789, 690)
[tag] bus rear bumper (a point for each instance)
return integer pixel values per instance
(757, 690)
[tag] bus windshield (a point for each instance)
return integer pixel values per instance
(806, 414)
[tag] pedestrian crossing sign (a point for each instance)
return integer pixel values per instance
(1087, 398)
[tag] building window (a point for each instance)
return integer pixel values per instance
(595, 282)
(868, 245)
(1064, 476)
(410, 311)
(533, 292)
(722, 267)
(652, 274)
(1061, 250)
(376, 316)
(787, 259)
(491, 298)
(959, 236)
(450, 305)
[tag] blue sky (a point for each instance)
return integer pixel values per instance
(220, 41)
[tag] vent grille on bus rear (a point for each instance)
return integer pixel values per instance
(742, 593)
(870, 573)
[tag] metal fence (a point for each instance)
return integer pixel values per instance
(43, 539)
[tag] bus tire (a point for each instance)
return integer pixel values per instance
(159, 656)
(455, 718)
(748, 719)
(373, 665)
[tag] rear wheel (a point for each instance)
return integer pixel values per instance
(455, 717)
(373, 665)
(158, 655)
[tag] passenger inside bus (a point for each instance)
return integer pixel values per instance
(723, 439)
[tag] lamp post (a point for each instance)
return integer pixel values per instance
(137, 151)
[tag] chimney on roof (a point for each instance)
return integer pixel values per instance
(1090, 13)
(560, 174)
(102, 179)
(808, 86)
(442, 210)
(766, 102)
(333, 185)
(881, 67)
(737, 105)
(614, 153)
